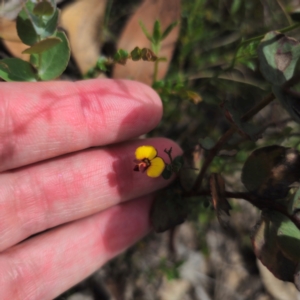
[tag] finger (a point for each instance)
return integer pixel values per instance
(67, 188)
(46, 265)
(44, 120)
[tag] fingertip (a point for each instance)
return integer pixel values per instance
(141, 103)
(124, 88)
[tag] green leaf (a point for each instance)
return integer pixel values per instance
(170, 268)
(159, 84)
(169, 29)
(156, 32)
(167, 172)
(289, 101)
(101, 63)
(267, 250)
(269, 171)
(278, 56)
(25, 28)
(207, 143)
(177, 163)
(136, 54)
(43, 45)
(294, 204)
(288, 236)
(121, 56)
(147, 34)
(54, 61)
(235, 6)
(50, 25)
(247, 52)
(169, 209)
(32, 28)
(43, 8)
(15, 69)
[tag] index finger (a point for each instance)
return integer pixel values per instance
(43, 120)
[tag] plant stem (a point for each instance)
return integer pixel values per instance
(39, 62)
(169, 153)
(155, 70)
(258, 107)
(212, 153)
(156, 49)
(226, 136)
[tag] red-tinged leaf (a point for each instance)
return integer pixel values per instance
(266, 249)
(269, 171)
(278, 57)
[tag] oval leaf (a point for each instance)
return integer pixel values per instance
(288, 237)
(25, 28)
(15, 69)
(43, 8)
(278, 56)
(43, 45)
(167, 173)
(266, 249)
(53, 61)
(177, 163)
(31, 28)
(269, 171)
(50, 25)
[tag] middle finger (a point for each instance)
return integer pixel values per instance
(70, 187)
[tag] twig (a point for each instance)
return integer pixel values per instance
(171, 243)
(155, 70)
(226, 136)
(169, 152)
(212, 153)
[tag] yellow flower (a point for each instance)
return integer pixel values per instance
(147, 160)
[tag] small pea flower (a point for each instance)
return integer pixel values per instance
(147, 160)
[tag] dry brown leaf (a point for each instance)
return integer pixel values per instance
(149, 11)
(11, 40)
(220, 203)
(8, 30)
(83, 22)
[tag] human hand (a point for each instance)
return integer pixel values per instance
(73, 198)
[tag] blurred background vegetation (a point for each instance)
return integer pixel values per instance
(206, 70)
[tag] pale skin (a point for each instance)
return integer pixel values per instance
(66, 162)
